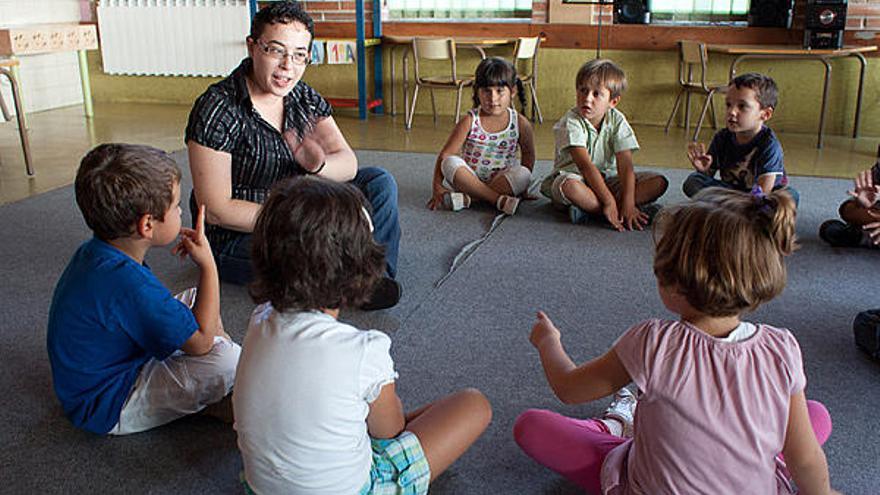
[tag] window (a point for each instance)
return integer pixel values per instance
(460, 9)
(698, 10)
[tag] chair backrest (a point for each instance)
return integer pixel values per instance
(526, 49)
(434, 49)
(692, 55)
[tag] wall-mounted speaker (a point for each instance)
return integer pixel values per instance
(821, 39)
(771, 13)
(631, 12)
(824, 21)
(825, 16)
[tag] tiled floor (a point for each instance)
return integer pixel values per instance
(60, 137)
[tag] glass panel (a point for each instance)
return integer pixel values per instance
(460, 9)
(700, 7)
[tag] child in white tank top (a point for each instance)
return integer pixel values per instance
(491, 152)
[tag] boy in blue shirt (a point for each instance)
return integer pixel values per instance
(126, 355)
(746, 152)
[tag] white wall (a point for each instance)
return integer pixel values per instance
(49, 80)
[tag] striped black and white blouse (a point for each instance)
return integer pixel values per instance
(224, 119)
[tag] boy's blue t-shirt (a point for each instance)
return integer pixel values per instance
(740, 164)
(109, 316)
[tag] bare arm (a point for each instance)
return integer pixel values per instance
(452, 147)
(627, 176)
(386, 419)
(591, 174)
(803, 455)
(339, 161)
(766, 181)
(206, 309)
(212, 183)
(571, 383)
(526, 143)
(632, 217)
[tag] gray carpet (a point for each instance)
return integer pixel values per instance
(471, 330)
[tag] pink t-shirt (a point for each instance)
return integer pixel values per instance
(713, 414)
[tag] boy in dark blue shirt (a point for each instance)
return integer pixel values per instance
(126, 355)
(746, 152)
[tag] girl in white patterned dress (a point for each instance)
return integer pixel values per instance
(479, 160)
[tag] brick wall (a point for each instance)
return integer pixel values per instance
(863, 15)
(338, 11)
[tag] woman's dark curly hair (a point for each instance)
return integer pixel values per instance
(313, 247)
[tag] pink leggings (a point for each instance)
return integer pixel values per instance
(576, 448)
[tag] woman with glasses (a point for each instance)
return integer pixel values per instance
(262, 124)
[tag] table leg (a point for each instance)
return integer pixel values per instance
(864, 64)
(824, 101)
(405, 83)
(86, 85)
(22, 127)
(16, 73)
(393, 98)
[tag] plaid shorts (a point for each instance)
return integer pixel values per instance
(399, 467)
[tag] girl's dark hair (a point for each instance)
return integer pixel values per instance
(313, 247)
(494, 72)
(724, 250)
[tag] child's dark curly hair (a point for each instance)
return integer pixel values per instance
(313, 247)
(496, 72)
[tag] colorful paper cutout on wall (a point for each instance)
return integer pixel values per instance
(340, 52)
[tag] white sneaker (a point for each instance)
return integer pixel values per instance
(623, 410)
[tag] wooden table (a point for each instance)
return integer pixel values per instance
(49, 38)
(478, 44)
(745, 52)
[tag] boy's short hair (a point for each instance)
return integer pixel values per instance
(284, 12)
(117, 183)
(605, 73)
(724, 250)
(313, 247)
(764, 87)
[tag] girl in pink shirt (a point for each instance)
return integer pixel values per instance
(481, 158)
(720, 398)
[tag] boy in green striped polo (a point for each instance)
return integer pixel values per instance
(593, 172)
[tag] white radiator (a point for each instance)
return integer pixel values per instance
(173, 37)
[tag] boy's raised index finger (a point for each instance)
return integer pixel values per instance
(200, 220)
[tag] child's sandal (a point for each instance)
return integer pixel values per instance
(507, 204)
(456, 201)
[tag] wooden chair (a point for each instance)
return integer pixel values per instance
(693, 56)
(5, 66)
(527, 49)
(436, 49)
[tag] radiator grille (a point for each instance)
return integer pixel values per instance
(173, 37)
